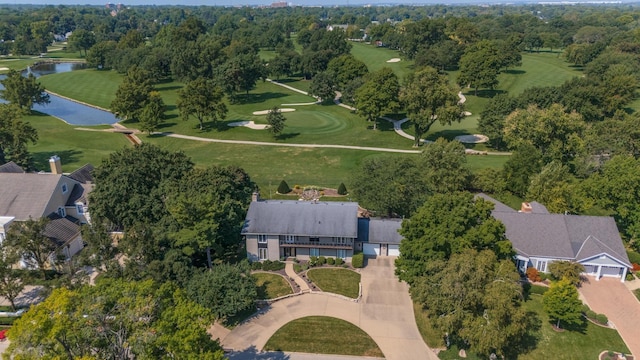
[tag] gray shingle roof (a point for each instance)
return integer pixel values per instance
(384, 231)
(11, 167)
(60, 230)
(326, 219)
(83, 174)
(538, 208)
(497, 205)
(24, 195)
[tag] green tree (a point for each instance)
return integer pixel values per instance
(140, 172)
(10, 283)
(15, 135)
(568, 270)
(379, 94)
(562, 304)
(556, 188)
(283, 188)
(82, 39)
(443, 164)
(525, 162)
(100, 55)
(210, 206)
(153, 113)
(480, 66)
(224, 289)
(23, 91)
(323, 86)
(491, 122)
(346, 68)
(427, 97)
(203, 99)
(29, 240)
(241, 73)
(276, 120)
(132, 95)
(448, 224)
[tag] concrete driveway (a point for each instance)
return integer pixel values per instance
(611, 297)
(385, 313)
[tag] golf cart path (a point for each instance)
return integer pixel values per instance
(385, 313)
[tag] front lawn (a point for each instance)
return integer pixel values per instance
(636, 292)
(338, 281)
(323, 335)
(271, 286)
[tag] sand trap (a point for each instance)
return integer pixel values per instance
(265, 112)
(472, 139)
(393, 60)
(4, 68)
(249, 124)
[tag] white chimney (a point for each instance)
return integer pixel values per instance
(255, 196)
(526, 208)
(56, 165)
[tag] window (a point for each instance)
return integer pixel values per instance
(541, 266)
(262, 239)
(290, 239)
(314, 239)
(62, 212)
(263, 254)
(341, 240)
(314, 252)
(64, 188)
(342, 254)
(79, 208)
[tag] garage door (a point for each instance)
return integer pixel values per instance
(590, 269)
(394, 250)
(371, 249)
(610, 271)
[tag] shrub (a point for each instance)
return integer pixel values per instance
(533, 275)
(273, 265)
(357, 261)
(342, 190)
(7, 320)
(584, 309)
(256, 265)
(331, 261)
(283, 188)
(590, 314)
(322, 260)
(544, 276)
(296, 186)
(339, 261)
(313, 261)
(602, 319)
(634, 257)
(304, 267)
(629, 277)
(635, 267)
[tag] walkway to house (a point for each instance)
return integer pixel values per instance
(288, 269)
(385, 313)
(611, 297)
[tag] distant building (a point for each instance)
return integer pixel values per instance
(279, 4)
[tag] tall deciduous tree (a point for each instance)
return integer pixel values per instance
(10, 283)
(23, 91)
(378, 95)
(15, 135)
(448, 224)
(323, 86)
(152, 113)
(132, 95)
(82, 39)
(203, 99)
(562, 304)
(444, 166)
(276, 120)
(428, 97)
(29, 240)
(480, 66)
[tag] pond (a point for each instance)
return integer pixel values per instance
(71, 112)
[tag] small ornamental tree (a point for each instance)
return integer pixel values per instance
(276, 120)
(533, 275)
(567, 270)
(562, 304)
(342, 190)
(283, 188)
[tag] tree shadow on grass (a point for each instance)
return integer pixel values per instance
(41, 159)
(485, 93)
(253, 353)
(447, 134)
(579, 328)
(287, 136)
(168, 87)
(244, 99)
(515, 72)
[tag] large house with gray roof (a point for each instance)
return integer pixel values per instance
(62, 198)
(540, 238)
(276, 229)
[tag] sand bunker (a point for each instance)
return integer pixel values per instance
(4, 68)
(249, 124)
(472, 139)
(393, 60)
(265, 112)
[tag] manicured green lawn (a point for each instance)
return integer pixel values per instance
(90, 86)
(271, 286)
(636, 292)
(376, 58)
(74, 147)
(338, 281)
(323, 335)
(430, 335)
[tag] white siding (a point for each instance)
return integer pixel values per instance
(394, 250)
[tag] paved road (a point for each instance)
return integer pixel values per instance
(385, 313)
(611, 297)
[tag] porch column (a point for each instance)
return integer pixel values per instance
(598, 274)
(624, 274)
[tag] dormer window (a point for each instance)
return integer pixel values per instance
(64, 188)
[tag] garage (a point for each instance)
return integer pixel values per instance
(611, 271)
(394, 250)
(371, 249)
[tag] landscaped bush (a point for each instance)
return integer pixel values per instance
(533, 274)
(331, 261)
(283, 188)
(634, 257)
(635, 267)
(273, 265)
(357, 261)
(256, 265)
(545, 276)
(629, 277)
(313, 261)
(322, 260)
(602, 319)
(590, 314)
(342, 190)
(339, 261)
(7, 320)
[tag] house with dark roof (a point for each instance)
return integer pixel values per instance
(540, 238)
(275, 229)
(60, 197)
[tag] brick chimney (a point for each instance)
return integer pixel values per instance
(526, 208)
(56, 165)
(255, 196)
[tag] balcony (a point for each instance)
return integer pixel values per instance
(315, 244)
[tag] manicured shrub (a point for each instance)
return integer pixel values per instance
(256, 265)
(533, 275)
(283, 188)
(304, 267)
(322, 260)
(331, 261)
(7, 320)
(545, 276)
(635, 267)
(585, 308)
(339, 261)
(590, 314)
(629, 277)
(313, 261)
(357, 261)
(342, 190)
(602, 319)
(273, 265)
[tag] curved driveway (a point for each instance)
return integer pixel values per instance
(385, 313)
